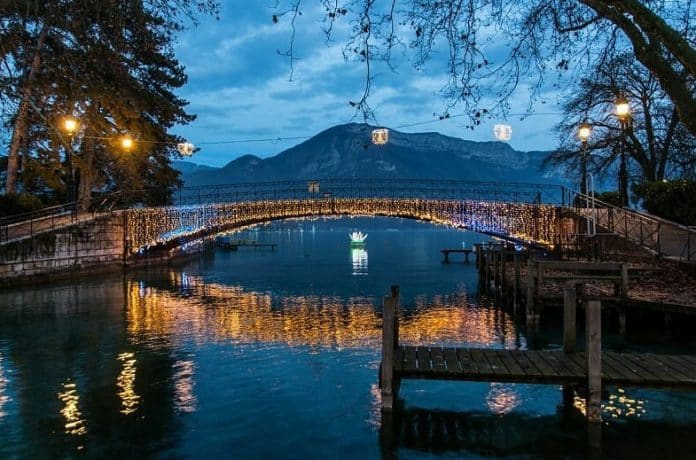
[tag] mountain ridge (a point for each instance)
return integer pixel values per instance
(346, 151)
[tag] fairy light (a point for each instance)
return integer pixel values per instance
(168, 228)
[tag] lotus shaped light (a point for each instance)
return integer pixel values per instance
(357, 237)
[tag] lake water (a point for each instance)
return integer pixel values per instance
(275, 354)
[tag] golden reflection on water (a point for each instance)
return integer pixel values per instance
(204, 312)
(185, 398)
(4, 398)
(619, 405)
(75, 424)
(502, 398)
(126, 384)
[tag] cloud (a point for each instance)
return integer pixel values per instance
(239, 87)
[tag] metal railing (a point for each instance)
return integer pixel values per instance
(28, 224)
(371, 188)
(658, 235)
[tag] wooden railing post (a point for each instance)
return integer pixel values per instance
(569, 315)
(593, 311)
(390, 342)
(531, 291)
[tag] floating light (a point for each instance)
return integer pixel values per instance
(380, 136)
(357, 237)
(502, 132)
(185, 148)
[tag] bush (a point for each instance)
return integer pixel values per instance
(18, 204)
(672, 200)
(611, 198)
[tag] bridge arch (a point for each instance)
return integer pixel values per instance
(154, 230)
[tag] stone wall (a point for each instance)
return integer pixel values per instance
(97, 243)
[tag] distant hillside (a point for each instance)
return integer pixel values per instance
(346, 151)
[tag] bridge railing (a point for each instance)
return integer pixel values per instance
(661, 236)
(46, 219)
(372, 188)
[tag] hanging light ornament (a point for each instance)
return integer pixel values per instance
(502, 132)
(380, 136)
(185, 148)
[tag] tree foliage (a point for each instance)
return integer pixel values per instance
(672, 200)
(494, 48)
(657, 143)
(109, 64)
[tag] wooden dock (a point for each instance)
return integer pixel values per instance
(543, 366)
(592, 367)
(233, 245)
(447, 252)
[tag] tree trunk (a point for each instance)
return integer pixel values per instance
(86, 175)
(20, 126)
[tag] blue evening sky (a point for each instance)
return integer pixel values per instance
(239, 88)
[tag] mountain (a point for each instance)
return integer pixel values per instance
(346, 151)
(187, 167)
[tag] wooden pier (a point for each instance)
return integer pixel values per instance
(447, 252)
(233, 245)
(592, 368)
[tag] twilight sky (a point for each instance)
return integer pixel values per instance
(239, 87)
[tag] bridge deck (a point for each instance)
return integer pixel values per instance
(549, 367)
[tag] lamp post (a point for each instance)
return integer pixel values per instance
(584, 134)
(70, 127)
(623, 113)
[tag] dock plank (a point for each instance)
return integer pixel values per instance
(437, 356)
(541, 366)
(452, 361)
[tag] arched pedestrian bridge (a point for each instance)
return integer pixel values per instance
(522, 212)
(544, 215)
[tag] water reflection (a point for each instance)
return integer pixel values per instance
(359, 258)
(185, 398)
(194, 310)
(618, 405)
(75, 424)
(502, 398)
(4, 398)
(126, 384)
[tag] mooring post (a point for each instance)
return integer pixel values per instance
(569, 305)
(503, 252)
(529, 307)
(593, 311)
(390, 341)
(516, 287)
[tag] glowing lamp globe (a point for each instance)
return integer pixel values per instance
(127, 143)
(623, 109)
(185, 148)
(380, 136)
(584, 132)
(502, 132)
(70, 125)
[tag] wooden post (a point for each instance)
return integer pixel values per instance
(529, 307)
(569, 305)
(624, 281)
(390, 341)
(503, 252)
(516, 287)
(593, 310)
(622, 322)
(496, 268)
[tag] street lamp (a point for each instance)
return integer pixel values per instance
(584, 134)
(70, 126)
(623, 113)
